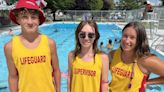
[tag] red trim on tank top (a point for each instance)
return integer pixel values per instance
(143, 87)
(53, 70)
(52, 74)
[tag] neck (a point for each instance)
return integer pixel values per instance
(30, 37)
(87, 52)
(128, 57)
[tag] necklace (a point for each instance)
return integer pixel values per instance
(132, 74)
(133, 66)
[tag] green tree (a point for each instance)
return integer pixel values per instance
(130, 4)
(10, 2)
(162, 2)
(60, 4)
(89, 4)
(108, 5)
(95, 4)
(111, 4)
(81, 5)
(55, 5)
(51, 5)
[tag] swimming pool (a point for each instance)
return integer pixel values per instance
(63, 34)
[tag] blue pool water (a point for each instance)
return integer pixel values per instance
(63, 34)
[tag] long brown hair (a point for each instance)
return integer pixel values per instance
(142, 46)
(78, 45)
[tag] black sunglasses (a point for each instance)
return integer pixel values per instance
(90, 35)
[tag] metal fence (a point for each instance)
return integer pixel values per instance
(99, 16)
(111, 15)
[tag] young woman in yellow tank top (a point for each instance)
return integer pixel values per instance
(88, 67)
(132, 62)
(31, 56)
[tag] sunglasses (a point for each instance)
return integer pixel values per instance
(90, 35)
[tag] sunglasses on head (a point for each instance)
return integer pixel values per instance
(90, 35)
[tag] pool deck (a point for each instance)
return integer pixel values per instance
(156, 42)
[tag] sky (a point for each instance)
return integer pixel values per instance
(155, 2)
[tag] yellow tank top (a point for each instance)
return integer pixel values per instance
(121, 74)
(86, 75)
(33, 65)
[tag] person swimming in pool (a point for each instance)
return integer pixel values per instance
(10, 32)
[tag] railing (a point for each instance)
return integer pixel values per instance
(108, 15)
(100, 16)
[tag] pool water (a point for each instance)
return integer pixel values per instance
(63, 34)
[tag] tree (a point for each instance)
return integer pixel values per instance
(108, 4)
(95, 4)
(111, 4)
(89, 4)
(55, 5)
(130, 4)
(81, 5)
(162, 2)
(60, 4)
(10, 2)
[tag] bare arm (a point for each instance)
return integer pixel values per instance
(70, 55)
(104, 76)
(154, 65)
(110, 56)
(13, 74)
(55, 64)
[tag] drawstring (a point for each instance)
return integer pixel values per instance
(132, 75)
